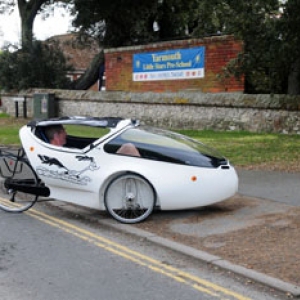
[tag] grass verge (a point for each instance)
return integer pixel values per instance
(244, 149)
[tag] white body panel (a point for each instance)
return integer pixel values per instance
(83, 176)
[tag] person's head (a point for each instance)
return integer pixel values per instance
(56, 135)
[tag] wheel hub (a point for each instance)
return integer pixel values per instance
(130, 200)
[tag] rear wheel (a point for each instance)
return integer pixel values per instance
(11, 199)
(129, 198)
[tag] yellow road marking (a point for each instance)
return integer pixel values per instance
(178, 275)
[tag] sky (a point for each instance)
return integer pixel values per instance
(10, 30)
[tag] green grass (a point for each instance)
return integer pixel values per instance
(86, 131)
(4, 115)
(253, 150)
(9, 130)
(243, 149)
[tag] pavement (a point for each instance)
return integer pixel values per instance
(279, 186)
(254, 234)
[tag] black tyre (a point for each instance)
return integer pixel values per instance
(11, 199)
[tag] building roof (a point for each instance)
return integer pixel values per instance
(79, 52)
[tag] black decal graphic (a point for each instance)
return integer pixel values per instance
(51, 161)
(66, 174)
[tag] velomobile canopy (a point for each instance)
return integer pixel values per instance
(106, 122)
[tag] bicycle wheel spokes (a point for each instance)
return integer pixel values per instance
(129, 198)
(13, 200)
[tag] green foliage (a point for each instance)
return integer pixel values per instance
(115, 23)
(270, 61)
(269, 41)
(269, 30)
(130, 22)
(41, 66)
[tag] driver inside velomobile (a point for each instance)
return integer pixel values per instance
(57, 136)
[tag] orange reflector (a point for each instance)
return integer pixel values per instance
(31, 149)
(194, 178)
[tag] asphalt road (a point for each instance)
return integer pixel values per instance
(57, 254)
(37, 260)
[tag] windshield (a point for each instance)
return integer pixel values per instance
(164, 145)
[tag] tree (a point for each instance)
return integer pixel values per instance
(268, 28)
(289, 26)
(42, 66)
(254, 22)
(130, 22)
(28, 11)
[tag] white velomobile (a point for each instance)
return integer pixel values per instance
(173, 172)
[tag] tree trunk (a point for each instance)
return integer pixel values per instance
(91, 75)
(294, 79)
(28, 12)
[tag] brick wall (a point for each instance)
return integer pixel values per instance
(219, 50)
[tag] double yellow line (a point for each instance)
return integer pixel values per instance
(193, 281)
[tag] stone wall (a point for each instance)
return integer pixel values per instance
(184, 110)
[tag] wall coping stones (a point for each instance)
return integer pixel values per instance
(195, 98)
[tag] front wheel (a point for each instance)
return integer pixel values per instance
(14, 200)
(129, 198)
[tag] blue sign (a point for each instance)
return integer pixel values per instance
(169, 65)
